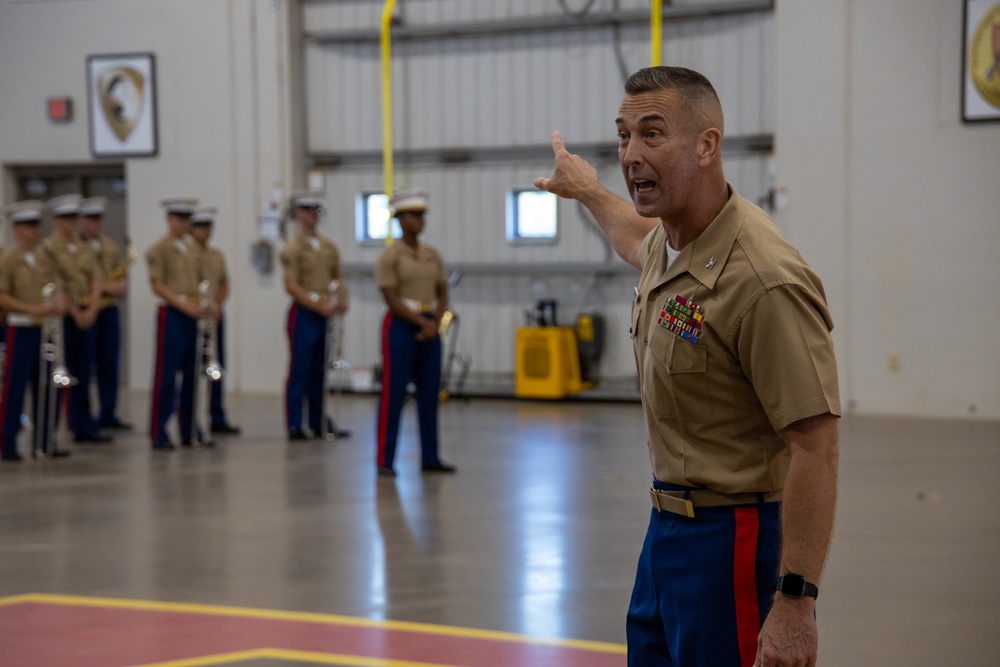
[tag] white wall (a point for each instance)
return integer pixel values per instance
(893, 200)
(225, 117)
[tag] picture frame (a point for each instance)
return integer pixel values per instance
(121, 92)
(981, 61)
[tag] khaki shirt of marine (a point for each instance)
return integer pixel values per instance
(313, 262)
(212, 267)
(23, 279)
(415, 273)
(172, 261)
(109, 255)
(763, 360)
(77, 264)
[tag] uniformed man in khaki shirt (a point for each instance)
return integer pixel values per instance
(314, 280)
(411, 276)
(114, 266)
(731, 334)
(173, 276)
(80, 274)
(212, 269)
(24, 274)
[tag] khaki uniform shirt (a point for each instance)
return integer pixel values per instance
(109, 256)
(313, 262)
(212, 267)
(416, 274)
(732, 344)
(77, 265)
(22, 276)
(174, 261)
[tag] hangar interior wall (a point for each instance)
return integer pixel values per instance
(460, 89)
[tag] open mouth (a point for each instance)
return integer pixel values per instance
(642, 185)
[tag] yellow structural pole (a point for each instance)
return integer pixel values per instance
(655, 32)
(386, 42)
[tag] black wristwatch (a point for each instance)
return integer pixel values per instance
(796, 586)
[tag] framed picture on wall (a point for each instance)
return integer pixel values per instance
(121, 92)
(981, 61)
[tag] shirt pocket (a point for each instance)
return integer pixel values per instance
(679, 376)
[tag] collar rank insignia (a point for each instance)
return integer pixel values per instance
(682, 317)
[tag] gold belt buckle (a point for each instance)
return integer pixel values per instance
(664, 502)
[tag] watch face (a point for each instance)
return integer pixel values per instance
(793, 585)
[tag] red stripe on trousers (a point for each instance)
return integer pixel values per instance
(383, 415)
(745, 583)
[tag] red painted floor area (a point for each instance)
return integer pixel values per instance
(63, 631)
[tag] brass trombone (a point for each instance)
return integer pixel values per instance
(207, 366)
(333, 361)
(52, 376)
(448, 333)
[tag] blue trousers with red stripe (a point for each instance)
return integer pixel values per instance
(109, 335)
(175, 354)
(81, 355)
(20, 372)
(704, 586)
(406, 359)
(307, 340)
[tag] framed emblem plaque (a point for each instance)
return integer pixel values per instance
(981, 61)
(121, 92)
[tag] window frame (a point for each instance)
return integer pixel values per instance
(514, 236)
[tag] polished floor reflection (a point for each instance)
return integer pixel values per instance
(537, 534)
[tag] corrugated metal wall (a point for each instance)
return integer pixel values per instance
(455, 91)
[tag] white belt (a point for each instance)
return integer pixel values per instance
(22, 320)
(418, 306)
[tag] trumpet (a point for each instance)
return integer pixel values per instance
(207, 365)
(53, 375)
(333, 360)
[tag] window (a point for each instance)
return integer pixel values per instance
(531, 216)
(371, 219)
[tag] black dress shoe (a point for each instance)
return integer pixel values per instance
(115, 423)
(297, 434)
(165, 445)
(225, 428)
(11, 456)
(96, 438)
(337, 433)
(386, 471)
(440, 466)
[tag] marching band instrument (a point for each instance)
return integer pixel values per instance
(52, 376)
(448, 333)
(207, 366)
(333, 360)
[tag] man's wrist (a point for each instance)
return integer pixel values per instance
(792, 585)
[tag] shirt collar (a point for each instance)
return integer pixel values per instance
(706, 256)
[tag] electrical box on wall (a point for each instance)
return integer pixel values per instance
(59, 109)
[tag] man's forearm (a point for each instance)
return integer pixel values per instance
(810, 495)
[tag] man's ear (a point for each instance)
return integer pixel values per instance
(709, 144)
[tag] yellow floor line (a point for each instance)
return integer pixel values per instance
(310, 617)
(297, 656)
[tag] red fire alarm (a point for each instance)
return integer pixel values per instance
(60, 109)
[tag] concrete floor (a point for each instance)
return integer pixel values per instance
(537, 534)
